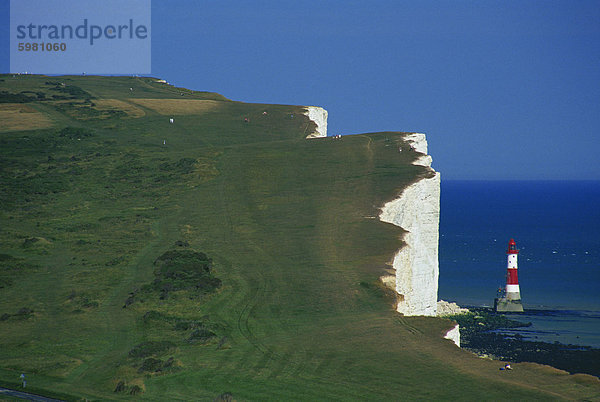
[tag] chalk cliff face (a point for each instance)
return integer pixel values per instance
(319, 116)
(417, 210)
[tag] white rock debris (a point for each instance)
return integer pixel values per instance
(454, 335)
(445, 308)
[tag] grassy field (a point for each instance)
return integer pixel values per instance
(18, 116)
(184, 261)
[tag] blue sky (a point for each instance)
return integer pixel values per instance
(503, 89)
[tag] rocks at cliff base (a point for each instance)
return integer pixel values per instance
(445, 308)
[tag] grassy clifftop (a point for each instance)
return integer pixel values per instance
(211, 255)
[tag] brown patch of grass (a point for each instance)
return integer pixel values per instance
(586, 379)
(178, 106)
(115, 104)
(543, 368)
(19, 117)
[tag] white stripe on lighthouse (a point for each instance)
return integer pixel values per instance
(512, 289)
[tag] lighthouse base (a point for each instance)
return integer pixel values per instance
(504, 305)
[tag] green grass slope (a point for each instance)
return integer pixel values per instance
(184, 261)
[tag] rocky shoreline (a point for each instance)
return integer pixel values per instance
(477, 333)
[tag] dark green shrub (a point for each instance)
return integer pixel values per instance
(25, 311)
(30, 241)
(6, 257)
(7, 97)
(153, 315)
(134, 390)
(184, 325)
(151, 365)
(121, 387)
(226, 397)
(151, 348)
(75, 92)
(201, 335)
(184, 269)
(75, 133)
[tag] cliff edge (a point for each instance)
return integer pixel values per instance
(319, 116)
(417, 210)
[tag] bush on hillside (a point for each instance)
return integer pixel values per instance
(7, 97)
(151, 348)
(184, 270)
(75, 132)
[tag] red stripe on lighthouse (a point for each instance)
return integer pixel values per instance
(512, 277)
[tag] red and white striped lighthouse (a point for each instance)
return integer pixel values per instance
(512, 278)
(511, 301)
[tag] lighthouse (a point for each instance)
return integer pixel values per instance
(510, 301)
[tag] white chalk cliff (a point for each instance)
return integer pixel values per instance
(319, 116)
(417, 210)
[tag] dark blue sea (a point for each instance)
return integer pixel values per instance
(556, 225)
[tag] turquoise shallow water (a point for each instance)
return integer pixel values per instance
(557, 228)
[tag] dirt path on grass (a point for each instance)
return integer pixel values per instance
(25, 395)
(118, 321)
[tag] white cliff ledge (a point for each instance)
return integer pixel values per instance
(454, 335)
(319, 116)
(417, 210)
